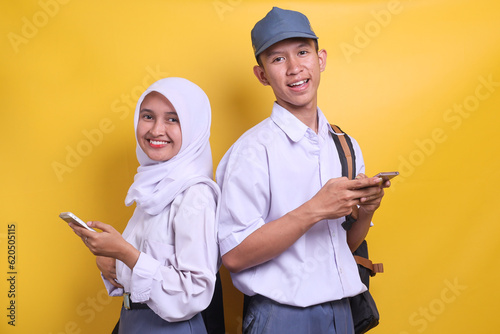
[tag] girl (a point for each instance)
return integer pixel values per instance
(167, 258)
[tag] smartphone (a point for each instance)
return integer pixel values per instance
(71, 218)
(385, 176)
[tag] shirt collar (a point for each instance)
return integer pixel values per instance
(293, 127)
(324, 128)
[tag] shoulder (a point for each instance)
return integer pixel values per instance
(250, 146)
(358, 154)
(256, 135)
(354, 142)
(200, 189)
(196, 201)
(349, 137)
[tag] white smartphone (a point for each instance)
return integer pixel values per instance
(71, 218)
(385, 176)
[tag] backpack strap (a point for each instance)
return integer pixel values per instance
(368, 264)
(348, 162)
(346, 152)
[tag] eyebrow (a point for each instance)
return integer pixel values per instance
(170, 113)
(278, 51)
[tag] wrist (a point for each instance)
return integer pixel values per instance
(366, 212)
(129, 255)
(306, 214)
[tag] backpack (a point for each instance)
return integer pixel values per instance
(364, 310)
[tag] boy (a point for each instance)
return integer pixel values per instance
(283, 198)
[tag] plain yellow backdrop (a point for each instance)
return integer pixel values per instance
(417, 83)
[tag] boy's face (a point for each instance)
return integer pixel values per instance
(158, 128)
(292, 68)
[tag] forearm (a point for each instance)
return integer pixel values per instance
(335, 199)
(128, 255)
(271, 239)
(359, 229)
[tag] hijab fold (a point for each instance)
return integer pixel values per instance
(157, 183)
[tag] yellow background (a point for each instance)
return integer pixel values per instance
(417, 83)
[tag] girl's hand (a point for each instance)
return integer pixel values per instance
(107, 266)
(108, 243)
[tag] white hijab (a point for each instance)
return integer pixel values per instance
(156, 184)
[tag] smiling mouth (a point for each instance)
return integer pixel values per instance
(299, 83)
(158, 143)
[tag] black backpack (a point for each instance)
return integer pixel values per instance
(364, 310)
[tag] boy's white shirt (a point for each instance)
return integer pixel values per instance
(271, 170)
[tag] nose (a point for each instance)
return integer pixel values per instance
(157, 129)
(294, 66)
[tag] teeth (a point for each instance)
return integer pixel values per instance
(298, 83)
(158, 142)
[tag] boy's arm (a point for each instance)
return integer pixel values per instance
(334, 200)
(367, 207)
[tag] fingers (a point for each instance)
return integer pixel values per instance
(372, 198)
(353, 190)
(78, 230)
(339, 195)
(101, 226)
(386, 184)
(111, 278)
(360, 182)
(107, 266)
(108, 229)
(84, 233)
(115, 283)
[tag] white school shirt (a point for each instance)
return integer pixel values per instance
(271, 170)
(175, 273)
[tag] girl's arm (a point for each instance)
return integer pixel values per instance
(109, 242)
(177, 281)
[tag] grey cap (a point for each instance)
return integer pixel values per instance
(277, 25)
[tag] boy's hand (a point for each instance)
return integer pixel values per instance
(372, 202)
(337, 197)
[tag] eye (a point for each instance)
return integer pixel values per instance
(147, 117)
(303, 52)
(278, 59)
(171, 117)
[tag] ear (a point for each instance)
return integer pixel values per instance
(260, 74)
(322, 59)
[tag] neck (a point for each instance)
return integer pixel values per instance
(306, 114)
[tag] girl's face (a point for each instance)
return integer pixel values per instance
(158, 129)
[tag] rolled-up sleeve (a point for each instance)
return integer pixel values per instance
(244, 176)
